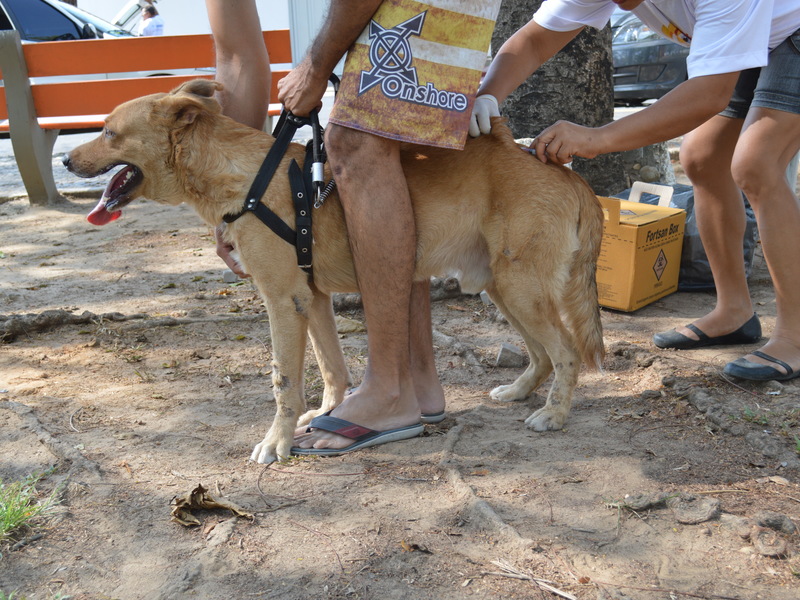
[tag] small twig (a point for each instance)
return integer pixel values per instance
(284, 505)
(270, 507)
(260, 342)
(708, 492)
(784, 495)
(271, 468)
(327, 540)
(722, 376)
(72, 416)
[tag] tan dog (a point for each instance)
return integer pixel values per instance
(527, 233)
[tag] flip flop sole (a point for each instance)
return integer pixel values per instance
(383, 437)
(432, 418)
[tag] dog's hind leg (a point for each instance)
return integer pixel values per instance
(536, 314)
(325, 339)
(288, 320)
(539, 367)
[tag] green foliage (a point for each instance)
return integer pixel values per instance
(21, 508)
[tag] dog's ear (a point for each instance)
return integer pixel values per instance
(187, 102)
(184, 109)
(199, 87)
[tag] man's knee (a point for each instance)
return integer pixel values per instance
(698, 159)
(340, 140)
(350, 150)
(755, 174)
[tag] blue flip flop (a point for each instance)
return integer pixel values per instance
(362, 437)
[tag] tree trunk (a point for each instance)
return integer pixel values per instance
(575, 85)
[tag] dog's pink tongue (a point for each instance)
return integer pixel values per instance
(101, 216)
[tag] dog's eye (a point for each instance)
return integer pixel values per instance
(108, 133)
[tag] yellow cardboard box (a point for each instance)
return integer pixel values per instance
(640, 255)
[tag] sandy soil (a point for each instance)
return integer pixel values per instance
(164, 385)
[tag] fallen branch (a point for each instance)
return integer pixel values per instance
(509, 570)
(13, 326)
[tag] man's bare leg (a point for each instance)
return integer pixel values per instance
(427, 387)
(770, 139)
(380, 223)
(706, 156)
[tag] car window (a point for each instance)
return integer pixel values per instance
(38, 21)
(104, 27)
(5, 24)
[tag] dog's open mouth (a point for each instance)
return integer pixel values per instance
(118, 193)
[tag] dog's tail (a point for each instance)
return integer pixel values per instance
(580, 300)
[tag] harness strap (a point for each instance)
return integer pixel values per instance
(302, 209)
(267, 170)
(301, 182)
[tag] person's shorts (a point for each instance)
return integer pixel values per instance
(775, 86)
(413, 73)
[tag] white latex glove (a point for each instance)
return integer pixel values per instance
(483, 110)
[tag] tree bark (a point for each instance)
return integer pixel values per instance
(575, 85)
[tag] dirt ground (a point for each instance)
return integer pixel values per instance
(668, 482)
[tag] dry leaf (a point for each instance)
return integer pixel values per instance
(414, 547)
(200, 499)
(779, 480)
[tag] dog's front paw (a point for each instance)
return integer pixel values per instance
(546, 419)
(306, 417)
(507, 393)
(270, 450)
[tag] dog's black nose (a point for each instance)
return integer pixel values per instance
(67, 162)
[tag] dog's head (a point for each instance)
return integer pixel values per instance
(143, 137)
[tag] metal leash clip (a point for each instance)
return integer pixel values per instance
(318, 160)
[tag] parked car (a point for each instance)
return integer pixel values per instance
(50, 20)
(646, 65)
(102, 26)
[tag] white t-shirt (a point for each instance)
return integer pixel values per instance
(152, 26)
(723, 35)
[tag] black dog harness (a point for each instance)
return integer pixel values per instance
(302, 182)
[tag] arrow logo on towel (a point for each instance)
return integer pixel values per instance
(390, 52)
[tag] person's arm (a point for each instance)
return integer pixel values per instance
(687, 106)
(524, 52)
(242, 61)
(243, 69)
(302, 89)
